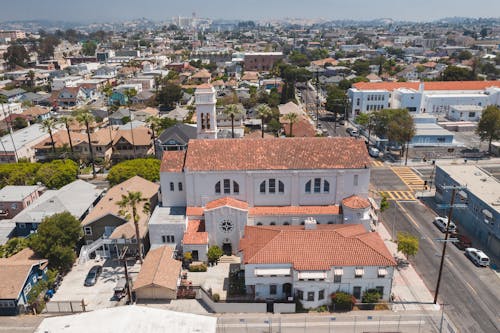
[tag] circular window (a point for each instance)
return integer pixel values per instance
(226, 226)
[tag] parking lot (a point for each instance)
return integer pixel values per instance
(100, 295)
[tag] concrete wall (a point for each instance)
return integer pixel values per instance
(155, 292)
(231, 307)
(173, 197)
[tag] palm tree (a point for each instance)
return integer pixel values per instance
(130, 202)
(48, 125)
(31, 76)
(84, 117)
(292, 118)
(155, 125)
(66, 121)
(264, 111)
(232, 110)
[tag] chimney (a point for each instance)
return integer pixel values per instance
(310, 224)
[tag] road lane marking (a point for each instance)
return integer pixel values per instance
(470, 287)
(399, 195)
(405, 212)
(408, 177)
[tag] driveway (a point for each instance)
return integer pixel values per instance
(100, 295)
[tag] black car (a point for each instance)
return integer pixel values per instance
(92, 276)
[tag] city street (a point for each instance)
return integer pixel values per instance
(471, 294)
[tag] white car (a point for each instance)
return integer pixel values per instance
(441, 223)
(477, 256)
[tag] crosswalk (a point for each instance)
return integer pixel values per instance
(377, 164)
(399, 195)
(410, 178)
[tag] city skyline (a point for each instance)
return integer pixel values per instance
(159, 10)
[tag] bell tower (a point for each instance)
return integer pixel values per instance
(206, 117)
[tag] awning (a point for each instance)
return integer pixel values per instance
(272, 271)
(359, 271)
(382, 272)
(338, 271)
(312, 275)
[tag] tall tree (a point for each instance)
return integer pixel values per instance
(292, 118)
(169, 94)
(232, 110)
(336, 101)
(16, 55)
(66, 121)
(156, 126)
(84, 117)
(89, 48)
(31, 76)
(264, 112)
(401, 129)
(488, 127)
(130, 202)
(48, 125)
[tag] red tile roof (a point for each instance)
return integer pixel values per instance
(204, 86)
(172, 161)
(317, 249)
(276, 154)
(194, 211)
(439, 85)
(355, 202)
(227, 201)
(195, 233)
(294, 210)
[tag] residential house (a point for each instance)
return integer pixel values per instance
(13, 199)
(143, 97)
(118, 98)
(20, 144)
(13, 95)
(70, 97)
(179, 114)
(104, 221)
(175, 137)
(202, 76)
(37, 113)
(18, 275)
(132, 143)
(309, 263)
(77, 198)
(121, 117)
(144, 114)
(159, 276)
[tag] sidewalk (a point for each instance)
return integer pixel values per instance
(409, 289)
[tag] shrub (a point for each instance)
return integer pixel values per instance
(214, 253)
(188, 256)
(371, 296)
(342, 301)
(216, 297)
(147, 168)
(198, 268)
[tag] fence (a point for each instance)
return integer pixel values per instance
(236, 307)
(65, 306)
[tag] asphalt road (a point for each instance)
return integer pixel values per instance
(471, 294)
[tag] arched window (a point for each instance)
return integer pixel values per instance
(308, 187)
(172, 186)
(281, 187)
(236, 187)
(217, 188)
(259, 223)
(272, 223)
(263, 187)
(224, 186)
(272, 185)
(202, 121)
(208, 120)
(326, 186)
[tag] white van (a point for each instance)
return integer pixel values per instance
(441, 223)
(477, 257)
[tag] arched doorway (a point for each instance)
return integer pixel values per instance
(287, 290)
(227, 248)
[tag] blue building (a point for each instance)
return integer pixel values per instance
(481, 218)
(18, 275)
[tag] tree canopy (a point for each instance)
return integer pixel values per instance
(89, 48)
(488, 127)
(54, 174)
(169, 94)
(454, 73)
(16, 55)
(147, 168)
(56, 239)
(407, 244)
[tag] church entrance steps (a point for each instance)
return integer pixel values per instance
(229, 260)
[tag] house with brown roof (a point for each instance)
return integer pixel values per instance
(159, 276)
(18, 275)
(309, 263)
(106, 231)
(132, 143)
(202, 76)
(225, 185)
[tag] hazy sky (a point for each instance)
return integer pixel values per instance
(99, 10)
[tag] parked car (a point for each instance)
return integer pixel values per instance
(374, 152)
(92, 276)
(441, 223)
(477, 257)
(354, 132)
(462, 242)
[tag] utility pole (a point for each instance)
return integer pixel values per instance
(123, 258)
(445, 242)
